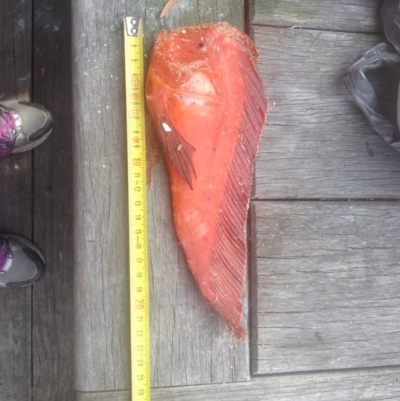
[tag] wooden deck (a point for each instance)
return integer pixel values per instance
(324, 272)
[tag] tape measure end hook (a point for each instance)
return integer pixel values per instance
(132, 25)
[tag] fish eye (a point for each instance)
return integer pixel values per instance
(201, 45)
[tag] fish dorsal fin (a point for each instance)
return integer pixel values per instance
(228, 260)
(179, 150)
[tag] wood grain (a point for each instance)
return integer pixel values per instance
(189, 345)
(15, 203)
(333, 386)
(119, 395)
(316, 143)
(361, 385)
(16, 49)
(337, 15)
(52, 333)
(189, 342)
(327, 283)
(15, 348)
(99, 207)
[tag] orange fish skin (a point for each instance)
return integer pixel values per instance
(206, 100)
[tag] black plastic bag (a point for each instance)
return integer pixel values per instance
(382, 55)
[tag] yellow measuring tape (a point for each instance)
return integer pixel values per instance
(137, 204)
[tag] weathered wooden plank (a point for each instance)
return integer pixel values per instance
(316, 143)
(188, 344)
(120, 395)
(327, 282)
(15, 203)
(338, 15)
(15, 347)
(15, 51)
(362, 385)
(341, 386)
(52, 332)
(99, 210)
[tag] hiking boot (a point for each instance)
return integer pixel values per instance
(21, 263)
(23, 125)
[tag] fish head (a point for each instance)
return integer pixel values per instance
(187, 59)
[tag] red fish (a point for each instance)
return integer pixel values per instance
(206, 101)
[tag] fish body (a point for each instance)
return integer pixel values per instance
(206, 101)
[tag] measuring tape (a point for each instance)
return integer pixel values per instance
(137, 204)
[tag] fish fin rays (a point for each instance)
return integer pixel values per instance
(255, 102)
(180, 151)
(228, 260)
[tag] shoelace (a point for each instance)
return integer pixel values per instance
(8, 131)
(5, 252)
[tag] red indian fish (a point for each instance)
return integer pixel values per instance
(206, 100)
